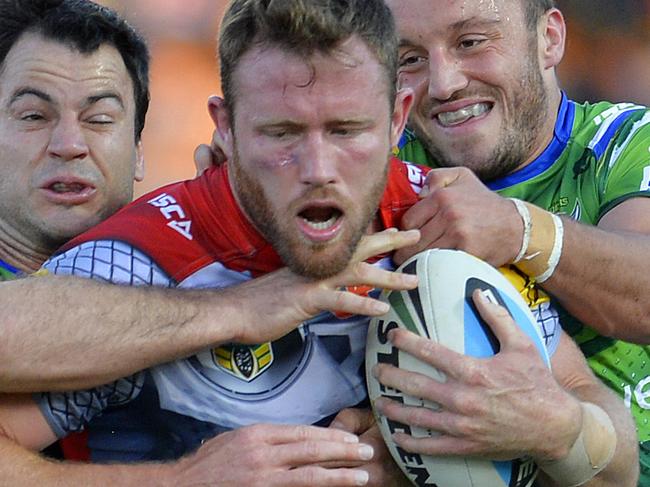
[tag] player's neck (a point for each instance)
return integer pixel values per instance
(20, 254)
(548, 131)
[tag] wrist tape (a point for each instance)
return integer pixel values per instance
(541, 246)
(591, 452)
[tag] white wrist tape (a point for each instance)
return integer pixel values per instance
(522, 209)
(554, 258)
(541, 247)
(591, 452)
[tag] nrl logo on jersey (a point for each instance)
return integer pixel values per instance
(246, 362)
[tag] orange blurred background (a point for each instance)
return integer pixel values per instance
(608, 57)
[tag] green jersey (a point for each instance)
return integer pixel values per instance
(599, 157)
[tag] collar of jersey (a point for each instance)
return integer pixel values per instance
(8, 267)
(561, 135)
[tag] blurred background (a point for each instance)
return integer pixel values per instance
(608, 57)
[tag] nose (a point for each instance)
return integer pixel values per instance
(67, 141)
(446, 74)
(318, 161)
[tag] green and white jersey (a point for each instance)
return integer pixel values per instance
(599, 157)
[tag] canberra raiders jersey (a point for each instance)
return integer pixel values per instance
(599, 157)
(193, 235)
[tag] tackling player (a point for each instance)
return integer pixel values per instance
(489, 113)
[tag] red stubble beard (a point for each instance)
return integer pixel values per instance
(317, 260)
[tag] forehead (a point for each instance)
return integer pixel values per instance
(347, 80)
(62, 72)
(415, 17)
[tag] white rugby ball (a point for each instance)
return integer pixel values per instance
(441, 309)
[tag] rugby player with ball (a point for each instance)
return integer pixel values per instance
(309, 117)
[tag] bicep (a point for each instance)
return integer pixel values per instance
(22, 421)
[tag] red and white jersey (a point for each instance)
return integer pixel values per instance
(194, 235)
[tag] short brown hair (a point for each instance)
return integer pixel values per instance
(533, 10)
(305, 27)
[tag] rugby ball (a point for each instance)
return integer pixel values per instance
(441, 309)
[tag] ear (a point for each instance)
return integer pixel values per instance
(139, 162)
(222, 122)
(552, 35)
(403, 102)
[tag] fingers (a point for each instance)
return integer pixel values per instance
(353, 420)
(311, 452)
(278, 434)
(443, 177)
(413, 384)
(373, 276)
(202, 158)
(384, 242)
(445, 360)
(317, 476)
(498, 318)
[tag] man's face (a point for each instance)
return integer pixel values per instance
(68, 155)
(311, 144)
(480, 98)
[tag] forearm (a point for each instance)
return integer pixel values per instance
(572, 373)
(62, 333)
(19, 466)
(602, 279)
(623, 469)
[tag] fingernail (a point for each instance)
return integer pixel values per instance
(410, 279)
(362, 477)
(350, 438)
(366, 452)
(378, 405)
(337, 425)
(375, 370)
(425, 191)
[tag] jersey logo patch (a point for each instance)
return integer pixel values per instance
(246, 362)
(174, 213)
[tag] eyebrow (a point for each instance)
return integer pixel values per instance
(472, 21)
(30, 91)
(91, 100)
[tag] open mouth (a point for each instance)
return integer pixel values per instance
(64, 188)
(462, 115)
(320, 218)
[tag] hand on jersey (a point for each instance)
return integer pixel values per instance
(500, 408)
(286, 299)
(275, 456)
(457, 211)
(382, 470)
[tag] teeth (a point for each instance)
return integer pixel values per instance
(321, 225)
(65, 188)
(463, 114)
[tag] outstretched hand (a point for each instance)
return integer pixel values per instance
(275, 456)
(286, 299)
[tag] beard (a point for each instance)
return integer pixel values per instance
(519, 135)
(304, 257)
